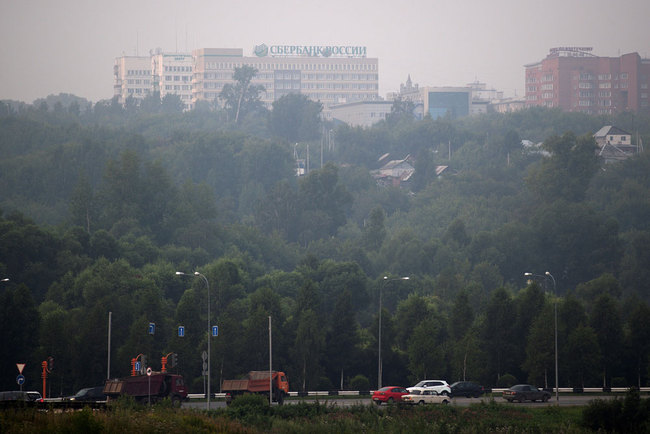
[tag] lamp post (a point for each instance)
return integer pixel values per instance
(379, 370)
(207, 285)
(557, 387)
(557, 396)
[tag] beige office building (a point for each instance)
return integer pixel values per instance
(172, 74)
(132, 77)
(332, 75)
(329, 74)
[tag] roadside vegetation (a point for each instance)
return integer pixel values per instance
(252, 414)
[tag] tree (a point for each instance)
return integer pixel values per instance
(427, 351)
(540, 347)
(296, 118)
(82, 203)
(499, 333)
(374, 231)
(606, 322)
(461, 318)
(19, 322)
(325, 202)
(307, 348)
(342, 340)
(585, 359)
(638, 339)
(566, 174)
(242, 97)
(171, 103)
(401, 110)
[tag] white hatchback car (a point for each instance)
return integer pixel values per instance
(439, 386)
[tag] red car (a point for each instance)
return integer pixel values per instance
(389, 394)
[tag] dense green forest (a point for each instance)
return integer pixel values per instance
(101, 205)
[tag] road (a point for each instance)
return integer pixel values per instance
(565, 401)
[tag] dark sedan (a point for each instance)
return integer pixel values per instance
(525, 392)
(467, 389)
(89, 394)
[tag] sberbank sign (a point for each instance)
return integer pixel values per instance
(309, 50)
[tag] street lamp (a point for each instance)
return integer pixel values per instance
(557, 387)
(557, 396)
(379, 371)
(207, 285)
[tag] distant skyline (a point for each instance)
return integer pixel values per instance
(69, 46)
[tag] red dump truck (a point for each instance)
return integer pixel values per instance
(258, 382)
(159, 385)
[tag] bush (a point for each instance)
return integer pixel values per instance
(630, 414)
(507, 380)
(360, 382)
(324, 383)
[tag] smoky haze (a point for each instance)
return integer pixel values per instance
(69, 46)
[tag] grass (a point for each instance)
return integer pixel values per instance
(252, 415)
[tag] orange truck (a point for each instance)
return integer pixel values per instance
(143, 388)
(258, 382)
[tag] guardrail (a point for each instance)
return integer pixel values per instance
(487, 390)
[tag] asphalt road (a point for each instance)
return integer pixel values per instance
(565, 401)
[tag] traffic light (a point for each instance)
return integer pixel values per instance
(174, 360)
(50, 364)
(143, 364)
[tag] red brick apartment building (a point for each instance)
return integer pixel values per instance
(574, 79)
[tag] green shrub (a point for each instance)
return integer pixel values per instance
(360, 382)
(507, 380)
(324, 383)
(85, 421)
(628, 415)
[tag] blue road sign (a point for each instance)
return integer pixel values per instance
(152, 328)
(181, 331)
(137, 366)
(215, 330)
(20, 379)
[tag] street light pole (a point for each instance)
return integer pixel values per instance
(557, 396)
(379, 366)
(557, 387)
(207, 285)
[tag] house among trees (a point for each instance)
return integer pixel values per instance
(614, 144)
(394, 173)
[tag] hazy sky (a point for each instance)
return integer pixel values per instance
(53, 46)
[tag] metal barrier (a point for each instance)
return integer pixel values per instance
(369, 392)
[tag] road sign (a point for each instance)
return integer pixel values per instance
(152, 328)
(149, 372)
(137, 366)
(20, 379)
(215, 330)
(204, 356)
(20, 367)
(181, 331)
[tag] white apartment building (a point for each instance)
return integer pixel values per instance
(132, 77)
(172, 74)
